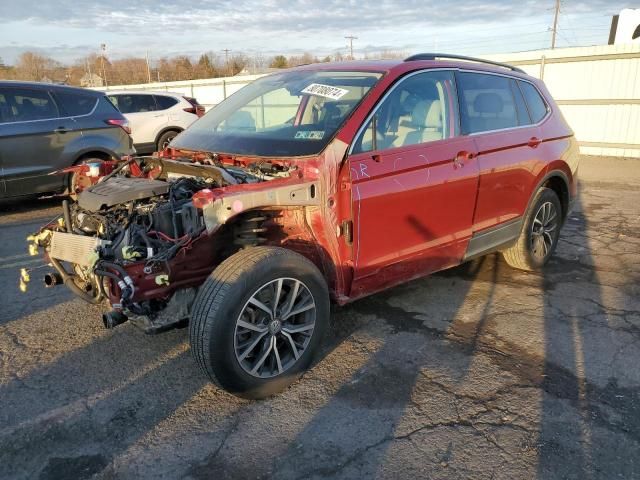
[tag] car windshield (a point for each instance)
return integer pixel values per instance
(293, 113)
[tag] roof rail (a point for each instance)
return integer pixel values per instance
(433, 56)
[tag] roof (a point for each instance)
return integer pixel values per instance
(401, 66)
(144, 92)
(48, 86)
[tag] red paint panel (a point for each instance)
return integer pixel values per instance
(509, 169)
(412, 205)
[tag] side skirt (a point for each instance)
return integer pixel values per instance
(494, 238)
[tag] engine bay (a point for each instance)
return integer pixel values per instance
(141, 216)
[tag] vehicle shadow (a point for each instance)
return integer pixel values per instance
(107, 394)
(590, 412)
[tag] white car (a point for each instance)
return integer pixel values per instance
(155, 118)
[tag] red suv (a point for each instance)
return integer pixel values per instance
(322, 183)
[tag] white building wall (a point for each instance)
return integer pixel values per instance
(597, 89)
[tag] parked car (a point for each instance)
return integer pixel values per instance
(156, 117)
(45, 128)
(322, 183)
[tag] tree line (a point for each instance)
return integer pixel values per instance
(96, 69)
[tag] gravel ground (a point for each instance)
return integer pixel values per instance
(477, 372)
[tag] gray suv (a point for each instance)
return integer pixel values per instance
(44, 128)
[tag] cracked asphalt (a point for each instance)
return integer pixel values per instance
(477, 372)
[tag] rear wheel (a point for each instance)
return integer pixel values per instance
(258, 321)
(78, 182)
(539, 235)
(165, 139)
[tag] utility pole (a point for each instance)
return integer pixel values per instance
(148, 68)
(226, 58)
(554, 30)
(103, 47)
(351, 38)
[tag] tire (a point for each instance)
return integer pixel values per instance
(528, 253)
(165, 139)
(73, 185)
(220, 343)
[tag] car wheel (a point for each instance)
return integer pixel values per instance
(165, 139)
(539, 235)
(78, 182)
(258, 321)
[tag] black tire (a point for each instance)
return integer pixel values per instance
(72, 185)
(528, 253)
(225, 296)
(165, 139)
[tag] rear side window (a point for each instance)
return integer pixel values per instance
(23, 104)
(537, 106)
(486, 103)
(74, 104)
(521, 107)
(134, 103)
(165, 102)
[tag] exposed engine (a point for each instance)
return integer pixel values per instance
(127, 228)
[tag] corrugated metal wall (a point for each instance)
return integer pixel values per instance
(597, 88)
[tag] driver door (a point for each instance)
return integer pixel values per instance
(414, 184)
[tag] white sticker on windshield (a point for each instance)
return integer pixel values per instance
(326, 91)
(311, 134)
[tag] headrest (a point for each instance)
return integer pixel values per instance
(488, 103)
(427, 114)
(240, 120)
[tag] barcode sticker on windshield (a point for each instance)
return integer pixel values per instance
(326, 91)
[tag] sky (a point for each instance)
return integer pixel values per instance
(70, 29)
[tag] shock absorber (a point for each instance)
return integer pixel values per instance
(247, 232)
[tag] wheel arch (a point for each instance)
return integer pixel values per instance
(558, 181)
(165, 130)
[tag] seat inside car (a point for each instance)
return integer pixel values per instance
(426, 123)
(488, 109)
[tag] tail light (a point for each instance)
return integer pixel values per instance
(119, 122)
(196, 108)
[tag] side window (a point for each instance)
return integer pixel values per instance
(6, 113)
(74, 104)
(537, 106)
(486, 102)
(23, 104)
(165, 102)
(134, 103)
(521, 107)
(419, 109)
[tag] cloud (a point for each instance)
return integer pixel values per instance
(269, 26)
(274, 16)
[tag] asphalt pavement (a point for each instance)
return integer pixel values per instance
(477, 372)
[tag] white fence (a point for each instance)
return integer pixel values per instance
(597, 89)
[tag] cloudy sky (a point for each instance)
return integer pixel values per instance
(70, 29)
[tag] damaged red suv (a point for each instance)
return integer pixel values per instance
(324, 183)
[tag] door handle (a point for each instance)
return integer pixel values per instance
(376, 158)
(61, 130)
(461, 157)
(534, 142)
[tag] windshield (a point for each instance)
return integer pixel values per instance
(292, 113)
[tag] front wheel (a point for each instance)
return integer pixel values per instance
(258, 321)
(539, 235)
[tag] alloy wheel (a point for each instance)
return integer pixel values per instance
(274, 327)
(543, 230)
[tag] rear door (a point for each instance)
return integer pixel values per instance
(414, 184)
(494, 114)
(145, 121)
(33, 136)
